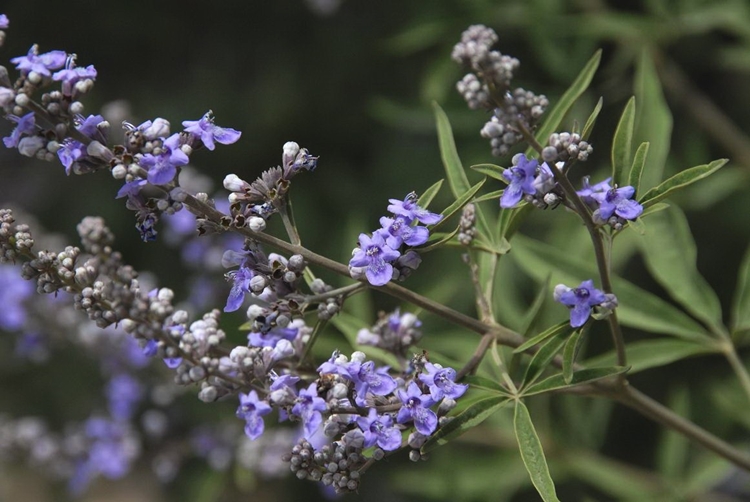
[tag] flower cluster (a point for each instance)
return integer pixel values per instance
(612, 205)
(582, 300)
(515, 112)
(531, 182)
(394, 332)
(378, 258)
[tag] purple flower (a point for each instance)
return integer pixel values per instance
(399, 230)
(14, 290)
(70, 152)
(251, 410)
(123, 394)
(89, 127)
(590, 194)
(617, 201)
(240, 279)
(337, 364)
(379, 429)
(416, 407)
(308, 407)
(375, 255)
(4, 22)
(411, 211)
(71, 76)
(271, 337)
(580, 300)
(205, 130)
(520, 181)
(162, 167)
(441, 382)
(368, 379)
(40, 63)
(24, 125)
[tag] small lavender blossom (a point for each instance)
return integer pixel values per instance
(618, 201)
(70, 152)
(205, 130)
(14, 290)
(369, 379)
(240, 279)
(131, 188)
(416, 408)
(272, 337)
(4, 22)
(251, 410)
(375, 255)
(441, 382)
(520, 181)
(91, 127)
(162, 168)
(409, 209)
(591, 193)
(71, 76)
(123, 394)
(308, 407)
(399, 230)
(580, 300)
(379, 429)
(24, 125)
(40, 63)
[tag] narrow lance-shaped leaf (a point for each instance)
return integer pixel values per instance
(557, 382)
(547, 333)
(532, 454)
(429, 194)
(647, 354)
(741, 300)
(532, 314)
(467, 419)
(680, 180)
(459, 203)
(639, 160)
(558, 112)
(622, 144)
(543, 357)
(491, 170)
(569, 354)
(591, 121)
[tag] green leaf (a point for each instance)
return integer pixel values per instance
(480, 382)
(467, 419)
(536, 306)
(659, 206)
(515, 218)
(454, 170)
(570, 351)
(349, 326)
(459, 203)
(491, 170)
(639, 160)
(543, 357)
(558, 112)
(495, 195)
(646, 354)
(622, 144)
(653, 120)
(532, 453)
(638, 308)
(435, 244)
(557, 382)
(547, 333)
(429, 194)
(670, 254)
(589, 126)
(741, 301)
(680, 180)
(672, 451)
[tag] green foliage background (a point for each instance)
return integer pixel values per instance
(355, 87)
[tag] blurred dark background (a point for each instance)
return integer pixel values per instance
(353, 82)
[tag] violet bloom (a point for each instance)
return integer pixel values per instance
(520, 181)
(71, 76)
(580, 300)
(205, 130)
(14, 290)
(308, 407)
(399, 230)
(24, 125)
(162, 168)
(40, 63)
(590, 194)
(617, 201)
(123, 394)
(251, 410)
(70, 152)
(240, 279)
(369, 379)
(271, 337)
(416, 407)
(4, 22)
(375, 255)
(441, 382)
(379, 429)
(409, 209)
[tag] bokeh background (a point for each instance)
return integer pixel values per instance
(353, 81)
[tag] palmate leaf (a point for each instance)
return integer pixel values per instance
(622, 144)
(558, 328)
(568, 99)
(543, 357)
(467, 419)
(669, 250)
(532, 453)
(680, 180)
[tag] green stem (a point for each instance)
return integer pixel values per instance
(737, 365)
